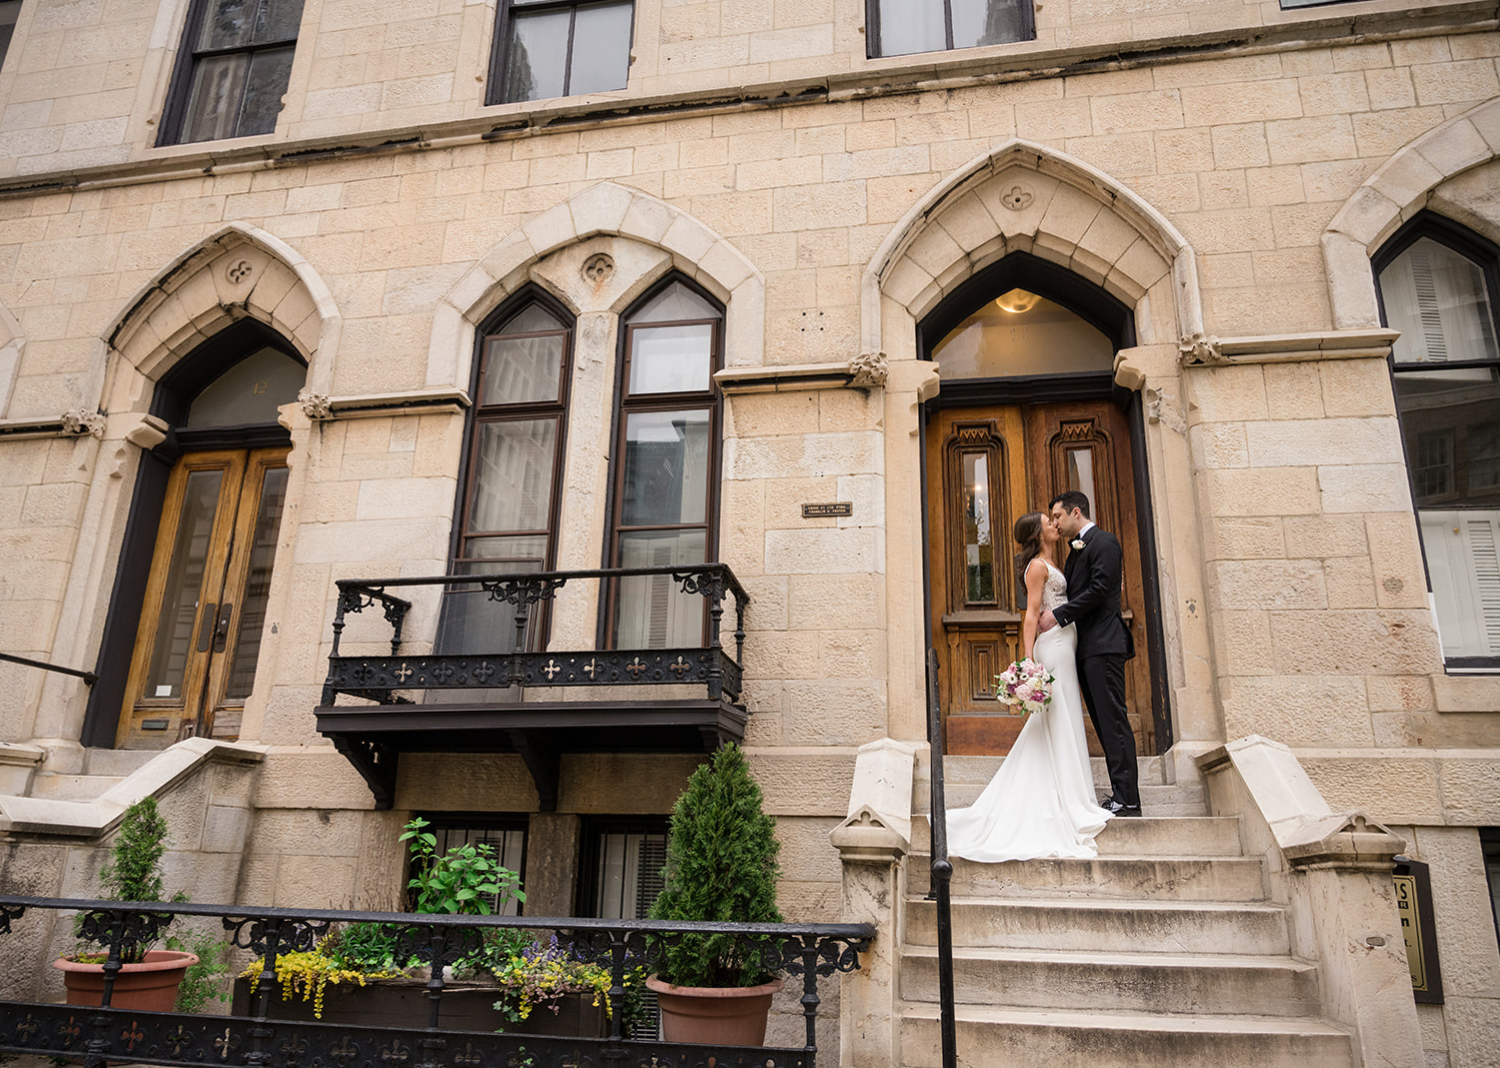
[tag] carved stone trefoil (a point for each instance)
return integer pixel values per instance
(1201, 350)
(316, 406)
(869, 369)
(78, 422)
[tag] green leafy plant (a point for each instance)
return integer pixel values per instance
(133, 872)
(467, 879)
(309, 973)
(721, 865)
(544, 973)
(204, 981)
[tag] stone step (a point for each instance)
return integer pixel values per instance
(1028, 1038)
(1117, 982)
(1147, 836)
(1111, 926)
(1155, 800)
(120, 762)
(1177, 878)
(51, 786)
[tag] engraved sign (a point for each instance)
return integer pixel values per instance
(1414, 906)
(834, 509)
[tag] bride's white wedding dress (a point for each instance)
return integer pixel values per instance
(1041, 802)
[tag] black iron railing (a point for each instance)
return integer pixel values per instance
(99, 1035)
(381, 678)
(87, 676)
(942, 868)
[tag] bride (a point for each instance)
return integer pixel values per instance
(1041, 802)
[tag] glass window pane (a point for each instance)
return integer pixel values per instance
(979, 542)
(270, 71)
(532, 319)
(601, 48)
(1022, 333)
(538, 55)
(666, 468)
(1081, 476)
(671, 359)
(470, 622)
(908, 26)
(252, 609)
(986, 22)
(651, 611)
(179, 606)
(250, 391)
(278, 20)
(677, 303)
(1451, 424)
(513, 475)
(228, 24)
(9, 9)
(214, 102)
(1437, 298)
(521, 369)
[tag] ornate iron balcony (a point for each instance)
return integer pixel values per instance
(259, 1039)
(372, 736)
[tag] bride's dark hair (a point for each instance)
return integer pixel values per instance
(1028, 535)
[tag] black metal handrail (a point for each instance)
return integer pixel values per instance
(260, 1039)
(377, 677)
(87, 676)
(942, 868)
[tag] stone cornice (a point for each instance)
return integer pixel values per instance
(961, 69)
(1202, 350)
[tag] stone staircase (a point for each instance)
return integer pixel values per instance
(1165, 949)
(102, 769)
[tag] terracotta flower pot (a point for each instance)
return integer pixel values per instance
(714, 1015)
(150, 986)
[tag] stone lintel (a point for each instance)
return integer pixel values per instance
(785, 378)
(18, 754)
(1204, 351)
(405, 403)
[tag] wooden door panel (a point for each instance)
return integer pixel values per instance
(1038, 451)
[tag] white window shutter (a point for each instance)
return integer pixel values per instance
(1463, 560)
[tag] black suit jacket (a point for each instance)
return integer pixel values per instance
(1093, 574)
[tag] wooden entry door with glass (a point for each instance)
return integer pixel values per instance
(986, 467)
(205, 608)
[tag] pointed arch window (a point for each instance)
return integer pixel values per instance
(509, 504)
(666, 464)
(1439, 284)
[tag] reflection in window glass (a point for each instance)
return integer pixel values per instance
(179, 610)
(554, 50)
(1081, 475)
(9, 11)
(252, 610)
(670, 359)
(237, 93)
(909, 26)
(979, 542)
(513, 468)
(250, 391)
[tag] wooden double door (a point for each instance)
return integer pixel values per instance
(986, 467)
(205, 607)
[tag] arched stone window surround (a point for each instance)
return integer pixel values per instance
(239, 272)
(1403, 186)
(604, 209)
(1026, 197)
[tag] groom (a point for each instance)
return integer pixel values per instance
(1104, 642)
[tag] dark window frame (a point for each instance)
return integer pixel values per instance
(592, 834)
(711, 399)
(479, 414)
(477, 821)
(872, 30)
(1486, 255)
(180, 89)
(500, 49)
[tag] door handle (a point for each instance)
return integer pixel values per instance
(221, 628)
(206, 628)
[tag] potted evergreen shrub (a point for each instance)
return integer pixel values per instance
(721, 866)
(148, 979)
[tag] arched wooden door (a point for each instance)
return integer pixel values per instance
(986, 467)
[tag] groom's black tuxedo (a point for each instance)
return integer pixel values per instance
(1104, 644)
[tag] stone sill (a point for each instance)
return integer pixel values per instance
(405, 403)
(1324, 27)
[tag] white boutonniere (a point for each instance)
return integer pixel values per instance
(1076, 544)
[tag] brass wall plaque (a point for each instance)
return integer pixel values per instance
(832, 510)
(1414, 906)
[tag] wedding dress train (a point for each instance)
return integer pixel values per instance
(1041, 802)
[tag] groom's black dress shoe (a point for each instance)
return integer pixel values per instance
(1114, 808)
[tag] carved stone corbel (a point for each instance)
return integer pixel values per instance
(870, 369)
(78, 422)
(1160, 409)
(1201, 350)
(315, 406)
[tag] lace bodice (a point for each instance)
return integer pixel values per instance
(1054, 590)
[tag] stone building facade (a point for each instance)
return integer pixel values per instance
(1219, 195)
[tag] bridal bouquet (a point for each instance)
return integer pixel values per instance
(1025, 685)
